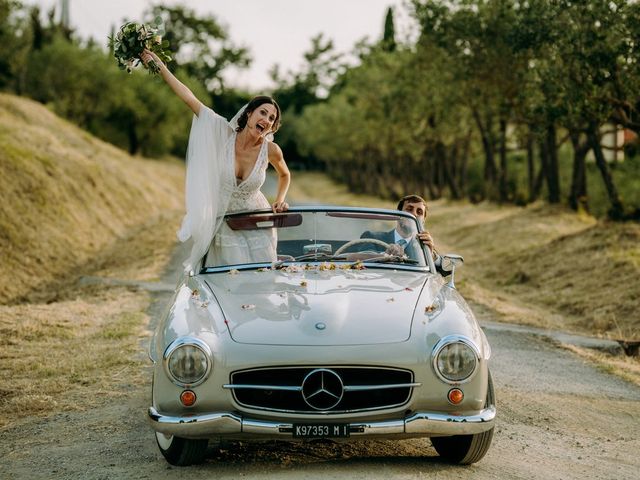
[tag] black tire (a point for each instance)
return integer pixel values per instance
(466, 449)
(181, 452)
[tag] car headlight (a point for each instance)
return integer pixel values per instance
(188, 361)
(455, 359)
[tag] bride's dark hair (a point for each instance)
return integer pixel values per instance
(252, 105)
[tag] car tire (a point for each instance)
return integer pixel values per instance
(181, 451)
(466, 449)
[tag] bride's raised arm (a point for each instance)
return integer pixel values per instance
(176, 85)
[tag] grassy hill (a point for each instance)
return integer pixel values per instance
(65, 196)
(73, 206)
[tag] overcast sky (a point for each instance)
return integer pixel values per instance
(275, 31)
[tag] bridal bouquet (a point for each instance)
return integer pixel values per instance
(130, 42)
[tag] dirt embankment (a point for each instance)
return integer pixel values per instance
(66, 196)
(74, 206)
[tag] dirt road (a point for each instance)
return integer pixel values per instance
(558, 417)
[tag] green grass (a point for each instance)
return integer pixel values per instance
(123, 326)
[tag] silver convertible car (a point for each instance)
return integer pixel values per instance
(344, 335)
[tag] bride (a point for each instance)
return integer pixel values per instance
(226, 165)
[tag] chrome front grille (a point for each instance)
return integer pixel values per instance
(321, 389)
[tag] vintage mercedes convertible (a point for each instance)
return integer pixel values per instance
(342, 336)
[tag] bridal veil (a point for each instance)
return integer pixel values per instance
(209, 181)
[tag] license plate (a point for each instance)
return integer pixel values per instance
(321, 430)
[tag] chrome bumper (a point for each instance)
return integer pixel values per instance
(229, 424)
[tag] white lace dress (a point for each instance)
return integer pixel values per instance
(212, 191)
(231, 247)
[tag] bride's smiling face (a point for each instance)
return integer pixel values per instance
(262, 119)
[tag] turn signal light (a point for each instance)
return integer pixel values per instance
(455, 396)
(188, 398)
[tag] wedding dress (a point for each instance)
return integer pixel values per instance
(231, 247)
(212, 191)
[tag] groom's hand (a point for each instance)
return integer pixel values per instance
(279, 207)
(425, 237)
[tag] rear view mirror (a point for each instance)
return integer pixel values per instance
(261, 221)
(449, 263)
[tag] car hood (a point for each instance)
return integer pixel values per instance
(316, 307)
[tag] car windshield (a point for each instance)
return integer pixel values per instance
(346, 236)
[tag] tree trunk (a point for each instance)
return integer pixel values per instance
(445, 164)
(134, 144)
(553, 174)
(616, 212)
(531, 174)
(487, 146)
(503, 186)
(427, 168)
(578, 199)
(542, 173)
(404, 179)
(464, 162)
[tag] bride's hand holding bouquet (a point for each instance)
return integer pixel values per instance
(133, 40)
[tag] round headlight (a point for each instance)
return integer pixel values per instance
(188, 361)
(455, 359)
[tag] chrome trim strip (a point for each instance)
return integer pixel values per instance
(232, 386)
(226, 423)
(195, 426)
(360, 388)
(453, 424)
(347, 388)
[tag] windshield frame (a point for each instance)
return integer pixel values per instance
(358, 212)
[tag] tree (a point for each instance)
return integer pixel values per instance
(133, 111)
(15, 43)
(297, 90)
(200, 44)
(389, 35)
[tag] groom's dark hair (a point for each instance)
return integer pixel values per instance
(252, 105)
(412, 199)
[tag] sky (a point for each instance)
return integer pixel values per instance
(275, 31)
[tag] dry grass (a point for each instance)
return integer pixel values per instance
(67, 196)
(70, 354)
(82, 346)
(547, 267)
(310, 187)
(624, 367)
(74, 206)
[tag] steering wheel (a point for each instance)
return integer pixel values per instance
(358, 241)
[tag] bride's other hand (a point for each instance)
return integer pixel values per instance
(279, 207)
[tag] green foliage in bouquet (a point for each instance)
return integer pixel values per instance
(130, 42)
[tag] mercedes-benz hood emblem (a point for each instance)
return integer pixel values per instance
(322, 389)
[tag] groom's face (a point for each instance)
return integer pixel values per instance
(418, 210)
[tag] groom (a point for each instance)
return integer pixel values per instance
(400, 238)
